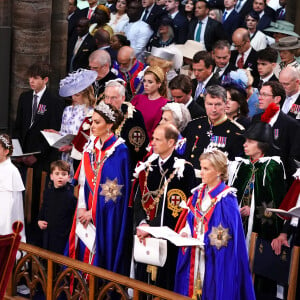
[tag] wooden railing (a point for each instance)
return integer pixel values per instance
(54, 275)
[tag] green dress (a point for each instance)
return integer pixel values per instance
(260, 185)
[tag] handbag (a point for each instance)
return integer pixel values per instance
(153, 253)
(87, 235)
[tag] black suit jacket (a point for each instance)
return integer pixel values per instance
(196, 110)
(213, 32)
(251, 61)
(264, 22)
(155, 16)
(278, 12)
(247, 7)
(72, 22)
(231, 24)
(84, 13)
(181, 27)
(81, 58)
(48, 116)
(228, 69)
(200, 100)
(286, 135)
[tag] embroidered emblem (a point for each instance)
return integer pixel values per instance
(175, 196)
(136, 137)
(41, 109)
(111, 189)
(219, 236)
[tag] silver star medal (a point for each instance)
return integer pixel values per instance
(111, 189)
(219, 236)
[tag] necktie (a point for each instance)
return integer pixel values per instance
(240, 62)
(198, 33)
(198, 90)
(34, 107)
(260, 83)
(281, 14)
(224, 16)
(217, 72)
(77, 45)
(238, 5)
(145, 15)
(90, 13)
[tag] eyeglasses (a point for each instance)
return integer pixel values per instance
(264, 95)
(240, 46)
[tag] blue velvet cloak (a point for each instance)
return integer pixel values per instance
(112, 216)
(227, 273)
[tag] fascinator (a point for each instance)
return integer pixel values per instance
(76, 82)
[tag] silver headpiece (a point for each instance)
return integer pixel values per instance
(104, 108)
(5, 141)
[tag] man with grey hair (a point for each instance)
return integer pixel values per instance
(214, 130)
(129, 69)
(100, 62)
(132, 129)
(289, 78)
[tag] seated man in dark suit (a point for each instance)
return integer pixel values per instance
(221, 54)
(73, 17)
(181, 91)
(203, 28)
(231, 19)
(80, 47)
(203, 65)
(89, 11)
(266, 63)
(245, 56)
(152, 14)
(180, 22)
(37, 110)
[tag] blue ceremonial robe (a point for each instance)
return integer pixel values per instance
(110, 216)
(227, 273)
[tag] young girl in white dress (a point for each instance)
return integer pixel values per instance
(11, 187)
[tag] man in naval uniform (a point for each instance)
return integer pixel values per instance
(214, 130)
(132, 129)
(163, 181)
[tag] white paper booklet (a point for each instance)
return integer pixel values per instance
(18, 152)
(167, 233)
(293, 212)
(56, 140)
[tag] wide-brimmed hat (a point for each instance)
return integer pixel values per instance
(282, 26)
(190, 48)
(287, 43)
(76, 82)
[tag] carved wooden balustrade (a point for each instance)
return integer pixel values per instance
(58, 276)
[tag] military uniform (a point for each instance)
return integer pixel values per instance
(159, 193)
(227, 136)
(133, 131)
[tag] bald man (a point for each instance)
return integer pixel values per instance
(128, 68)
(289, 77)
(244, 56)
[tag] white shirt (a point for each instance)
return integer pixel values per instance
(274, 119)
(138, 33)
(174, 14)
(288, 102)
(242, 2)
(222, 70)
(267, 78)
(189, 102)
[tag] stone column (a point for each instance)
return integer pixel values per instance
(58, 53)
(31, 40)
